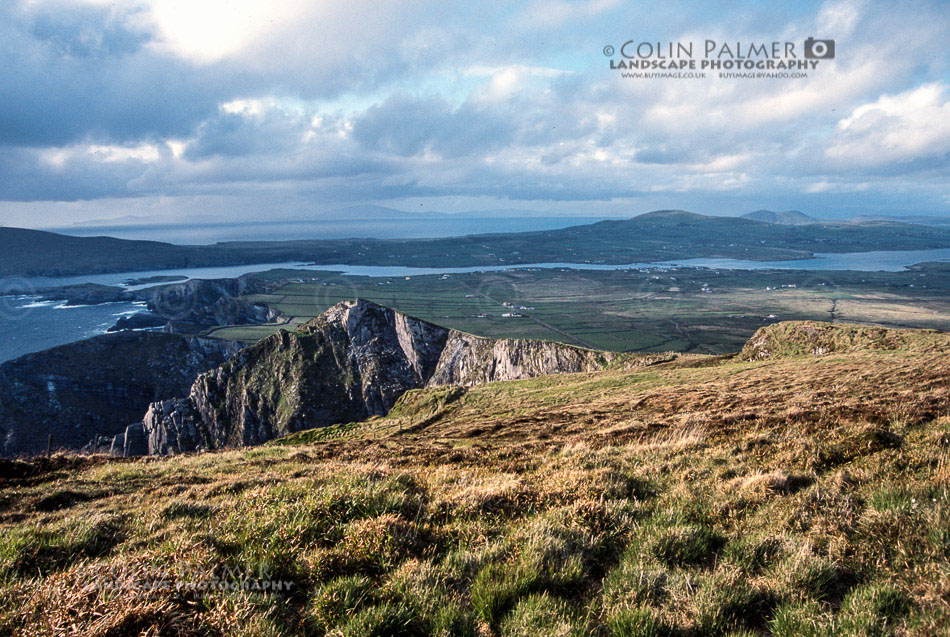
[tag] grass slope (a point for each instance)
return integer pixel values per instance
(800, 493)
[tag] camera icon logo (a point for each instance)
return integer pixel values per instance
(819, 49)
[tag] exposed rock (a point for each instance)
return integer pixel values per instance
(138, 321)
(127, 444)
(188, 307)
(197, 304)
(470, 360)
(96, 387)
(86, 294)
(172, 428)
(224, 311)
(134, 442)
(352, 362)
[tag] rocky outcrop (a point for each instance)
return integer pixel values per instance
(86, 294)
(224, 311)
(96, 387)
(169, 428)
(470, 360)
(197, 304)
(128, 444)
(188, 307)
(352, 362)
(138, 321)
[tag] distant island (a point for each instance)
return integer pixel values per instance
(155, 279)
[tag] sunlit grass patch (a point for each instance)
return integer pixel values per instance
(31, 551)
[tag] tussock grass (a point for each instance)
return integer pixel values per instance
(805, 495)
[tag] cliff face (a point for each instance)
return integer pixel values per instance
(352, 362)
(194, 305)
(97, 387)
(470, 360)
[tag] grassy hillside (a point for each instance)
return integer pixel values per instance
(656, 236)
(805, 492)
(29, 252)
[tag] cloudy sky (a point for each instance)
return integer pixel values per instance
(217, 109)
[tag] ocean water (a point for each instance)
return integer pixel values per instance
(414, 227)
(28, 323)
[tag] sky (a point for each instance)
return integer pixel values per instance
(245, 110)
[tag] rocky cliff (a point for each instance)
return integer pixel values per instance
(352, 362)
(197, 304)
(186, 307)
(96, 387)
(470, 360)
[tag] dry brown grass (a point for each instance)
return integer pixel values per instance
(769, 496)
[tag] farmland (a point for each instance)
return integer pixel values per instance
(700, 310)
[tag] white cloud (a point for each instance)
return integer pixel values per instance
(908, 126)
(520, 69)
(104, 153)
(432, 99)
(507, 81)
(819, 187)
(838, 19)
(209, 30)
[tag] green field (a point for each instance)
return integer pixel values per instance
(687, 309)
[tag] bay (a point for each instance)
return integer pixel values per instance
(29, 324)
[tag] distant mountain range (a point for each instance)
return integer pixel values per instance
(924, 220)
(360, 212)
(657, 236)
(373, 212)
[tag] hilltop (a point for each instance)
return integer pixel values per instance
(801, 486)
(787, 218)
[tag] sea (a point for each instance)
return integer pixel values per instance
(30, 323)
(414, 227)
